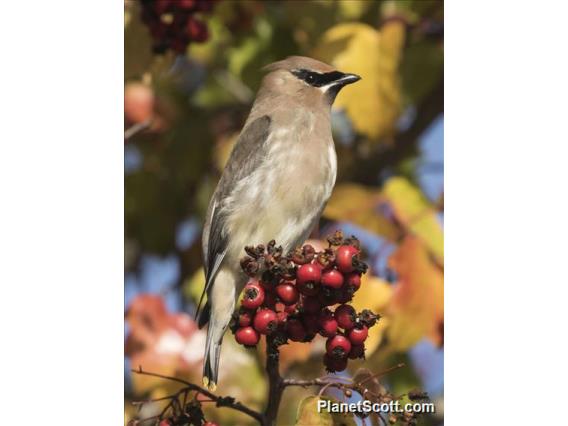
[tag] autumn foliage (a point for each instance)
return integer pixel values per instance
(190, 78)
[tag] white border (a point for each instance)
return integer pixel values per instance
(61, 214)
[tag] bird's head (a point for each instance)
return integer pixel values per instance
(306, 79)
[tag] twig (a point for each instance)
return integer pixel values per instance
(382, 373)
(136, 128)
(221, 401)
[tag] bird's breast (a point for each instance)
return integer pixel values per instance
(284, 197)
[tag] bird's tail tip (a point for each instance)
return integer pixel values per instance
(211, 364)
(209, 384)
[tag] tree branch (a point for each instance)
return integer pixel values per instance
(221, 401)
(275, 382)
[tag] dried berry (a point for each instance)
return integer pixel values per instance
(357, 351)
(333, 364)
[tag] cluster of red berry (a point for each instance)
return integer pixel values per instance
(292, 297)
(173, 24)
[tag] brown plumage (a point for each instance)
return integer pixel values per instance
(276, 182)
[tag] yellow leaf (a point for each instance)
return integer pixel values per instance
(416, 214)
(353, 9)
(374, 103)
(358, 205)
(417, 306)
(308, 414)
(193, 287)
(375, 295)
(223, 148)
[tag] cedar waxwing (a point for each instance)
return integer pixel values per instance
(275, 185)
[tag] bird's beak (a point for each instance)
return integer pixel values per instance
(347, 79)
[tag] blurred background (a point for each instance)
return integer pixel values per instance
(192, 68)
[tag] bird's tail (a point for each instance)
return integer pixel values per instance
(221, 306)
(211, 362)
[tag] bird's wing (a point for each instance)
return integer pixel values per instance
(247, 155)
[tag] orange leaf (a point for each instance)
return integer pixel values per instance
(417, 306)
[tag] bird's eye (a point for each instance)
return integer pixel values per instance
(310, 78)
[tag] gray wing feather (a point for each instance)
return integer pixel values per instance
(247, 155)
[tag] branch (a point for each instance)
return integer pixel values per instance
(136, 128)
(221, 401)
(347, 386)
(275, 382)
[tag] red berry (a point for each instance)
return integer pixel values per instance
(196, 30)
(165, 422)
(265, 321)
(161, 6)
(345, 316)
(210, 424)
(287, 293)
(333, 364)
(253, 296)
(358, 335)
(186, 4)
(311, 305)
(245, 318)
(338, 346)
(353, 280)
(308, 273)
(295, 330)
(327, 323)
(247, 336)
(332, 278)
(357, 351)
(344, 258)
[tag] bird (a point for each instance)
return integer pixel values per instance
(274, 186)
